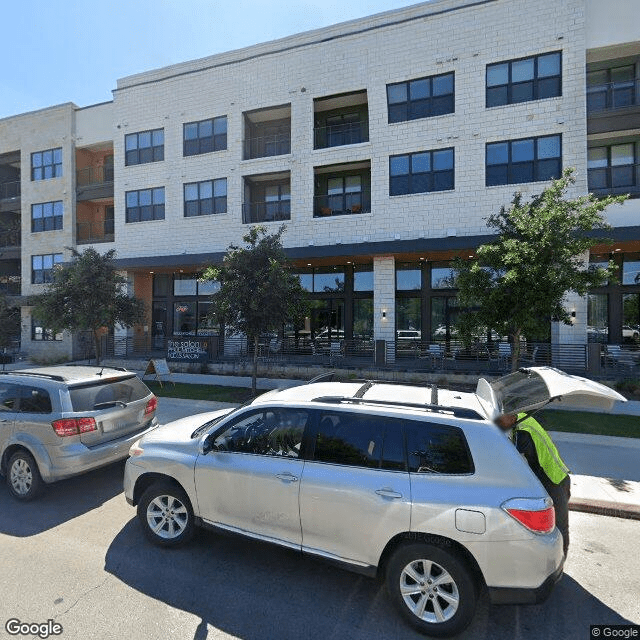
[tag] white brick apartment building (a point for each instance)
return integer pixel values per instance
(382, 143)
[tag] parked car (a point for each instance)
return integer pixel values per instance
(630, 333)
(416, 486)
(57, 422)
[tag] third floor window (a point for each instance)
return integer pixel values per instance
(205, 136)
(46, 216)
(421, 172)
(144, 146)
(612, 88)
(145, 205)
(421, 98)
(205, 198)
(613, 169)
(46, 164)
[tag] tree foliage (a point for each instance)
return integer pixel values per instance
(87, 294)
(9, 323)
(258, 292)
(518, 282)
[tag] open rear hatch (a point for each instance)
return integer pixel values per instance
(534, 387)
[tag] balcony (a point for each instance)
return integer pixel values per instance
(95, 232)
(267, 132)
(341, 204)
(254, 212)
(350, 131)
(615, 180)
(9, 190)
(340, 120)
(10, 285)
(267, 198)
(92, 176)
(276, 144)
(342, 190)
(610, 96)
(10, 238)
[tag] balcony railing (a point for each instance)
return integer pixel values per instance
(9, 190)
(277, 144)
(341, 204)
(90, 176)
(12, 287)
(95, 232)
(337, 135)
(10, 238)
(266, 211)
(613, 95)
(615, 180)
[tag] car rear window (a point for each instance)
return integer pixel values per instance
(437, 448)
(87, 396)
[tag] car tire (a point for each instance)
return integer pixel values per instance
(23, 477)
(166, 515)
(440, 608)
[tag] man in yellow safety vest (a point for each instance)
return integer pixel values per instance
(534, 443)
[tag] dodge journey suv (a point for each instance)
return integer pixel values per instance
(56, 422)
(408, 483)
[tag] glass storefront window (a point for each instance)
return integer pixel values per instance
(206, 325)
(601, 261)
(184, 318)
(328, 279)
(631, 317)
(408, 314)
(362, 319)
(161, 285)
(598, 317)
(208, 287)
(408, 277)
(631, 269)
(363, 278)
(444, 311)
(442, 276)
(306, 281)
(185, 285)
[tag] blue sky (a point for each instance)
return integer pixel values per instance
(74, 50)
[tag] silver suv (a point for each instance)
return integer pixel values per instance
(410, 483)
(56, 422)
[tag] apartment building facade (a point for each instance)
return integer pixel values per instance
(382, 144)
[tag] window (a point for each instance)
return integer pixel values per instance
(86, 397)
(363, 278)
(272, 432)
(277, 202)
(40, 333)
(363, 319)
(46, 216)
(526, 160)
(8, 393)
(328, 279)
(205, 198)
(421, 172)
(46, 164)
(143, 147)
(408, 318)
(421, 98)
(613, 88)
(34, 400)
(598, 317)
(437, 448)
(145, 205)
(205, 136)
(357, 440)
(42, 267)
(631, 269)
(613, 168)
(184, 319)
(526, 79)
(442, 276)
(408, 277)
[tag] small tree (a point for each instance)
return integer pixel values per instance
(87, 294)
(258, 291)
(9, 323)
(517, 283)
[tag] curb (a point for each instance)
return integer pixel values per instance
(605, 508)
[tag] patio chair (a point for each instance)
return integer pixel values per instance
(504, 353)
(435, 354)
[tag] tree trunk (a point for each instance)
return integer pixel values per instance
(515, 350)
(96, 342)
(254, 377)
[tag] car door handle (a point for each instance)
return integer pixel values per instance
(287, 477)
(388, 493)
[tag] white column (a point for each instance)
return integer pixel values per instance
(384, 302)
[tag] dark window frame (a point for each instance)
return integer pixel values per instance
(611, 167)
(22, 395)
(218, 204)
(427, 177)
(44, 276)
(511, 166)
(41, 168)
(536, 81)
(204, 144)
(410, 105)
(41, 223)
(157, 209)
(135, 155)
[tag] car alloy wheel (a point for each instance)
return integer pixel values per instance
(167, 517)
(429, 591)
(21, 476)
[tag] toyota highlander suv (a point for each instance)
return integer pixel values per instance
(56, 422)
(408, 483)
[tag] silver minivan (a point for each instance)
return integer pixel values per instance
(56, 422)
(411, 484)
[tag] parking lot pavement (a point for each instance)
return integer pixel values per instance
(77, 555)
(175, 408)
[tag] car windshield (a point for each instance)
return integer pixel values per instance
(103, 394)
(519, 389)
(211, 423)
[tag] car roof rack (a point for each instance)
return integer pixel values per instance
(34, 374)
(323, 377)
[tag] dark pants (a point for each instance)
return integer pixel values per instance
(560, 494)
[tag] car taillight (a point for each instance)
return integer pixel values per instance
(74, 426)
(152, 405)
(537, 514)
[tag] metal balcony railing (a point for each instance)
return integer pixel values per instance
(341, 204)
(95, 232)
(9, 190)
(615, 180)
(10, 238)
(90, 176)
(337, 135)
(613, 95)
(266, 211)
(11, 287)
(277, 144)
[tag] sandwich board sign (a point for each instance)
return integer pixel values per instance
(160, 368)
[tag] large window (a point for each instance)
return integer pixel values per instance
(437, 448)
(442, 276)
(421, 172)
(363, 319)
(408, 315)
(145, 205)
(328, 280)
(421, 98)
(46, 216)
(613, 168)
(205, 136)
(42, 267)
(532, 78)
(363, 277)
(143, 147)
(39, 333)
(631, 317)
(598, 317)
(46, 164)
(612, 88)
(525, 160)
(408, 277)
(205, 198)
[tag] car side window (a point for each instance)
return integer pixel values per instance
(7, 397)
(359, 440)
(34, 400)
(437, 448)
(271, 432)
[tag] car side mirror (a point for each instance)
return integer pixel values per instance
(206, 445)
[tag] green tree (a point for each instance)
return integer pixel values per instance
(517, 283)
(258, 292)
(87, 294)
(9, 323)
